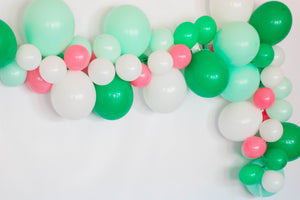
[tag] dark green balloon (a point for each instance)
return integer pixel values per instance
(273, 22)
(275, 159)
(289, 141)
(207, 75)
(113, 101)
(207, 28)
(251, 174)
(187, 34)
(8, 44)
(264, 56)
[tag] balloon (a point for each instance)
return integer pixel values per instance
(166, 92)
(186, 33)
(207, 29)
(251, 174)
(280, 110)
(258, 190)
(283, 90)
(272, 181)
(273, 21)
(275, 159)
(28, 57)
(264, 98)
(12, 75)
(181, 55)
(254, 147)
(289, 142)
(160, 62)
(74, 97)
(264, 56)
(128, 67)
(271, 130)
(113, 100)
(36, 83)
(144, 79)
(49, 25)
(238, 121)
(8, 47)
(161, 39)
(53, 69)
(225, 11)
(243, 82)
(130, 26)
(77, 57)
(237, 43)
(207, 75)
(107, 46)
(279, 56)
(272, 76)
(101, 71)
(83, 42)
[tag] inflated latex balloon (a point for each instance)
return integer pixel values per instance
(271, 130)
(101, 71)
(264, 56)
(186, 33)
(272, 76)
(280, 110)
(113, 100)
(28, 57)
(207, 75)
(273, 21)
(275, 159)
(128, 67)
(283, 90)
(251, 174)
(207, 29)
(279, 56)
(36, 83)
(160, 62)
(243, 82)
(77, 57)
(8, 44)
(144, 79)
(272, 181)
(49, 25)
(130, 26)
(181, 55)
(165, 93)
(53, 69)
(12, 74)
(238, 121)
(74, 97)
(264, 98)
(107, 46)
(161, 39)
(254, 147)
(79, 40)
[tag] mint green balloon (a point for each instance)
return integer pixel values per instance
(107, 46)
(12, 75)
(283, 90)
(49, 25)
(83, 42)
(161, 39)
(131, 27)
(280, 110)
(243, 83)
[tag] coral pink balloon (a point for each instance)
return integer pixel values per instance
(36, 83)
(254, 147)
(265, 115)
(181, 55)
(264, 98)
(77, 57)
(144, 79)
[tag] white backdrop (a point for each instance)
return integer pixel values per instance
(149, 156)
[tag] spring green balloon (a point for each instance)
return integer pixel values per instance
(273, 22)
(107, 46)
(207, 75)
(264, 56)
(207, 28)
(283, 90)
(8, 44)
(280, 110)
(83, 42)
(12, 75)
(186, 33)
(113, 101)
(275, 159)
(131, 27)
(49, 25)
(251, 174)
(161, 39)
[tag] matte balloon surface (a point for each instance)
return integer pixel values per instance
(8, 44)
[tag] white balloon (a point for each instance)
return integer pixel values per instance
(239, 120)
(272, 181)
(224, 11)
(101, 71)
(53, 69)
(74, 97)
(279, 56)
(28, 57)
(272, 76)
(160, 62)
(128, 67)
(271, 130)
(165, 92)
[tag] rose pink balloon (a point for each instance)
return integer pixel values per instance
(36, 83)
(181, 55)
(264, 98)
(254, 147)
(77, 57)
(144, 79)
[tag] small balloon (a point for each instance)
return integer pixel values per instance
(280, 110)
(28, 57)
(272, 181)
(271, 130)
(36, 83)
(279, 56)
(12, 75)
(264, 98)
(77, 57)
(161, 39)
(144, 79)
(275, 159)
(186, 33)
(207, 29)
(107, 46)
(128, 67)
(160, 62)
(101, 71)
(181, 55)
(283, 90)
(79, 40)
(8, 47)
(272, 76)
(254, 147)
(53, 69)
(251, 174)
(264, 56)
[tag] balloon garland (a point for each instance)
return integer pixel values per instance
(242, 63)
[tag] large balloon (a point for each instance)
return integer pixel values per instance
(49, 25)
(8, 44)
(237, 42)
(131, 28)
(273, 21)
(207, 75)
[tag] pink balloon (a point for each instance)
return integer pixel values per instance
(77, 57)
(264, 98)
(144, 79)
(254, 147)
(36, 83)
(181, 55)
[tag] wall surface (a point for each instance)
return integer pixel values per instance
(148, 156)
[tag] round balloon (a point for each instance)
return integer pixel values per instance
(272, 76)
(283, 90)
(79, 40)
(251, 174)
(107, 46)
(264, 56)
(12, 75)
(272, 181)
(161, 39)
(281, 110)
(271, 130)
(8, 44)
(186, 33)
(28, 57)
(36, 83)
(207, 29)
(275, 159)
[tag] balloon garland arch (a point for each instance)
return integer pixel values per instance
(243, 62)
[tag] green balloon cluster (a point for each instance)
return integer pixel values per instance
(264, 56)
(8, 44)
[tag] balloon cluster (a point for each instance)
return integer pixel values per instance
(239, 60)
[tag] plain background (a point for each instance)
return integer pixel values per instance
(145, 155)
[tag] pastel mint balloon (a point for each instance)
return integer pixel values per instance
(283, 90)
(280, 110)
(107, 46)
(49, 25)
(83, 42)
(131, 27)
(161, 39)
(8, 44)
(12, 75)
